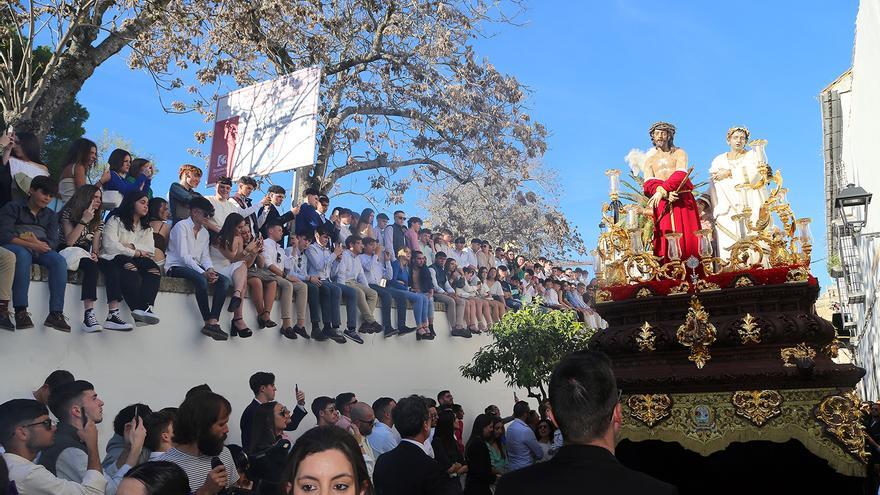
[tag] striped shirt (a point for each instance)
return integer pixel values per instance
(198, 467)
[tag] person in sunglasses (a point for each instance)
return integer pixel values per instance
(25, 430)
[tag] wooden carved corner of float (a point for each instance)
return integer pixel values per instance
(831, 350)
(841, 416)
(749, 331)
(697, 333)
(791, 354)
(603, 296)
(757, 406)
(797, 275)
(645, 338)
(650, 409)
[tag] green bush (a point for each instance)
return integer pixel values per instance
(527, 345)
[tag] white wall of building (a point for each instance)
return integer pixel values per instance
(157, 364)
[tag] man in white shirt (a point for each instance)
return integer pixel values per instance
(444, 293)
(459, 254)
(77, 404)
(291, 286)
(377, 267)
(471, 253)
(383, 233)
(188, 257)
(350, 272)
(25, 430)
(362, 419)
(321, 264)
(224, 204)
(384, 437)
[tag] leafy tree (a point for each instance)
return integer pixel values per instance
(508, 213)
(528, 344)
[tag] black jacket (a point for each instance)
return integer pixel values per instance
(247, 420)
(581, 469)
(407, 470)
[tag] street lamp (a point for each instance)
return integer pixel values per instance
(852, 203)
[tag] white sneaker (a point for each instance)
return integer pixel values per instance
(114, 322)
(90, 323)
(145, 316)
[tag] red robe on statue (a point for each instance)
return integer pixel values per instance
(683, 217)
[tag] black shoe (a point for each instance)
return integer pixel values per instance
(236, 332)
(352, 334)
(390, 332)
(405, 330)
(6, 322)
(234, 303)
(424, 336)
(23, 320)
(214, 331)
(301, 331)
(318, 334)
(288, 332)
(336, 336)
(431, 329)
(377, 327)
(267, 323)
(57, 321)
(461, 332)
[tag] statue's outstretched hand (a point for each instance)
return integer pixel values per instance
(655, 199)
(672, 197)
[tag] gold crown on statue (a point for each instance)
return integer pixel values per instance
(738, 128)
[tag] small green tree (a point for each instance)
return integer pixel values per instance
(528, 344)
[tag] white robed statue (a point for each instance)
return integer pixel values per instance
(729, 170)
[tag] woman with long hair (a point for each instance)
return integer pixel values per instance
(267, 456)
(231, 257)
(544, 433)
(120, 165)
(365, 224)
(141, 167)
(446, 450)
(484, 311)
(497, 451)
(23, 146)
(79, 161)
(128, 242)
(496, 293)
(480, 476)
(81, 226)
(400, 283)
(325, 459)
(158, 213)
(456, 281)
(262, 285)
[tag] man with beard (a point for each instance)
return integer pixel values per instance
(586, 405)
(671, 193)
(200, 429)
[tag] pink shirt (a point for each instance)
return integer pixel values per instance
(412, 240)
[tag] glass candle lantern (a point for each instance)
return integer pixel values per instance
(672, 249)
(635, 241)
(632, 217)
(758, 146)
(613, 182)
(705, 236)
(803, 231)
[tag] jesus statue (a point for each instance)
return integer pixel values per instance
(671, 193)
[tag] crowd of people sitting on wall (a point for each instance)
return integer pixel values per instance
(408, 446)
(241, 247)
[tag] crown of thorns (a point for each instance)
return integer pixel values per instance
(662, 126)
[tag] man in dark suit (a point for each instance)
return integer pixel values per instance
(408, 469)
(585, 405)
(263, 386)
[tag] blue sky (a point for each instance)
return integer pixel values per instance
(600, 73)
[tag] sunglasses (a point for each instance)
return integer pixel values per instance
(47, 424)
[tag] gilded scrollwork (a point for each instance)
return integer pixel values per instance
(841, 416)
(758, 406)
(645, 338)
(801, 351)
(749, 331)
(650, 409)
(697, 333)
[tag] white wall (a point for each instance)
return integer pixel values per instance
(157, 364)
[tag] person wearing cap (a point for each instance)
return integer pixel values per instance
(308, 220)
(381, 228)
(30, 229)
(189, 258)
(26, 429)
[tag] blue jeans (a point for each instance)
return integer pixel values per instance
(221, 287)
(386, 294)
(419, 302)
(325, 306)
(24, 258)
(351, 304)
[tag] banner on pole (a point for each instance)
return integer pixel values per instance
(267, 127)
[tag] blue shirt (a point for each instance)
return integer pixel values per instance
(522, 446)
(382, 439)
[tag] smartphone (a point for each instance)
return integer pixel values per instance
(383, 282)
(136, 419)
